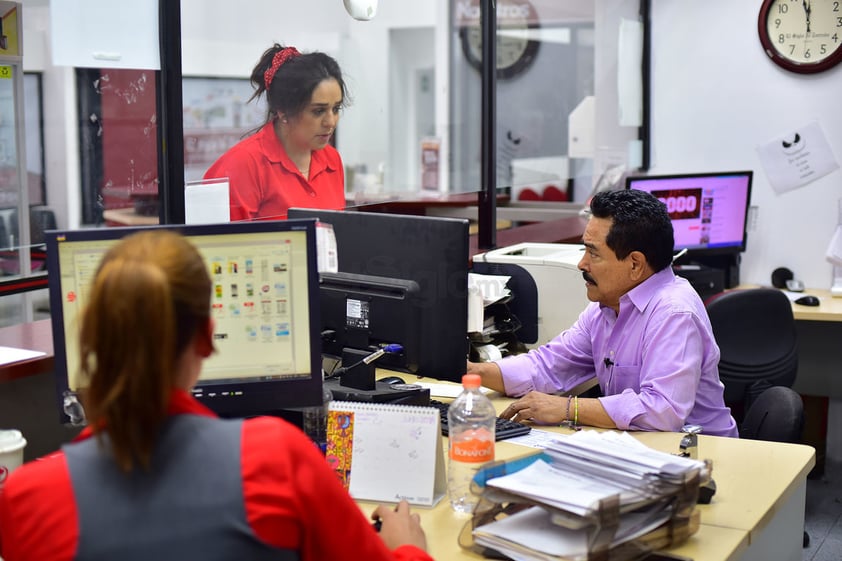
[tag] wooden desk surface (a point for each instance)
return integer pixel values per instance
(34, 336)
(752, 477)
(748, 494)
(829, 308)
(128, 217)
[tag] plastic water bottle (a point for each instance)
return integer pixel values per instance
(314, 419)
(471, 421)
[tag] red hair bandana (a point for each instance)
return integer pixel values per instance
(280, 57)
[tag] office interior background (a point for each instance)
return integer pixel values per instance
(715, 97)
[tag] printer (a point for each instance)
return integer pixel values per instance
(548, 292)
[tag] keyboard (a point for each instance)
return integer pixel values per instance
(504, 428)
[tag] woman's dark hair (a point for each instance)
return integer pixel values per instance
(291, 86)
(639, 223)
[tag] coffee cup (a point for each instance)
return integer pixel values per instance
(12, 444)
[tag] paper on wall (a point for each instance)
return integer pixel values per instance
(797, 158)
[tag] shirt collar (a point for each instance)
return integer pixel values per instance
(275, 152)
(640, 295)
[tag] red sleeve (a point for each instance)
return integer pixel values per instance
(294, 500)
(38, 518)
(244, 186)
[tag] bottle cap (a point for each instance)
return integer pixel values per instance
(471, 381)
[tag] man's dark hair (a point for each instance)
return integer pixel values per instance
(639, 223)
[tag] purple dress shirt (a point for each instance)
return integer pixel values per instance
(656, 362)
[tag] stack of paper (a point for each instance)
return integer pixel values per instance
(582, 484)
(622, 460)
(532, 534)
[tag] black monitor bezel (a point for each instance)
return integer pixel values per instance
(262, 397)
(361, 241)
(693, 251)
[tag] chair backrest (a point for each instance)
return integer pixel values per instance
(4, 238)
(40, 220)
(776, 415)
(755, 331)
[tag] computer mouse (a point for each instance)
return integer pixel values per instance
(391, 380)
(808, 300)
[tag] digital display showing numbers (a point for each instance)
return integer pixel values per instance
(681, 204)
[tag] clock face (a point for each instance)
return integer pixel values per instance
(802, 36)
(515, 49)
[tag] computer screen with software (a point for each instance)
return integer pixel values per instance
(264, 300)
(709, 211)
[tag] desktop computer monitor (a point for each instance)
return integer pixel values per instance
(265, 303)
(709, 211)
(402, 279)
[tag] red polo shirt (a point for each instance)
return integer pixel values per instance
(264, 183)
(293, 500)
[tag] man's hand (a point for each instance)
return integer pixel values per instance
(539, 408)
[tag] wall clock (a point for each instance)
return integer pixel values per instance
(803, 36)
(516, 49)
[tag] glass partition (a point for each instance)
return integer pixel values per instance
(412, 128)
(569, 108)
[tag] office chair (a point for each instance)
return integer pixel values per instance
(553, 193)
(755, 331)
(777, 415)
(40, 220)
(4, 238)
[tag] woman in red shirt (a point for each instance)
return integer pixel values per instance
(156, 475)
(288, 162)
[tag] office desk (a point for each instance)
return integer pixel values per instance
(829, 308)
(34, 336)
(756, 513)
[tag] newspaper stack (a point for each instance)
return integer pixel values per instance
(588, 493)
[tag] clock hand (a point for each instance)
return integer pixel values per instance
(807, 10)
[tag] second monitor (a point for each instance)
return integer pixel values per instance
(402, 279)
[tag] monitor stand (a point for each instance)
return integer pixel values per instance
(358, 383)
(406, 394)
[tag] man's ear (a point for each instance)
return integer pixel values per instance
(204, 338)
(639, 265)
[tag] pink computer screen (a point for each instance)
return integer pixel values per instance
(708, 210)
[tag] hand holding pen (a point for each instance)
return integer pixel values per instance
(398, 526)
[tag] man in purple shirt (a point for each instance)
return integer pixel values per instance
(645, 336)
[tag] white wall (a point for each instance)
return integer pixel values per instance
(61, 144)
(715, 97)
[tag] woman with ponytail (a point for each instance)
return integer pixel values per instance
(288, 162)
(156, 475)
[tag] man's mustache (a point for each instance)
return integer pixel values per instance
(588, 278)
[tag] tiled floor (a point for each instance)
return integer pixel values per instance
(824, 515)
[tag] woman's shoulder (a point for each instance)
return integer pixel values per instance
(41, 477)
(271, 440)
(266, 430)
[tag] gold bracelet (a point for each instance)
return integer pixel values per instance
(576, 411)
